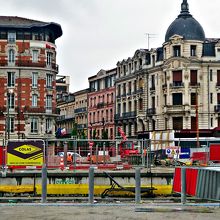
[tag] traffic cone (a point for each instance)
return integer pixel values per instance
(61, 163)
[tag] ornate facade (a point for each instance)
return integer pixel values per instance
(27, 78)
(101, 104)
(180, 83)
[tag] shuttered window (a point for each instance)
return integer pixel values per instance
(193, 98)
(218, 77)
(177, 76)
(218, 97)
(177, 123)
(193, 123)
(193, 77)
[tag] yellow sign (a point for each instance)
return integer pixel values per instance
(25, 153)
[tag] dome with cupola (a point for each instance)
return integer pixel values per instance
(185, 25)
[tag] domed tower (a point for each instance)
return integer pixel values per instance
(189, 78)
(185, 25)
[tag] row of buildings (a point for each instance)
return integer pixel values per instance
(175, 87)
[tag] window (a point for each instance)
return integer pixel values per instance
(35, 36)
(153, 82)
(34, 80)
(34, 100)
(49, 80)
(140, 104)
(177, 99)
(193, 77)
(11, 79)
(34, 125)
(193, 98)
(49, 102)
(218, 77)
(177, 123)
(11, 56)
(3, 35)
(11, 37)
(11, 100)
(177, 78)
(124, 88)
(11, 124)
(35, 56)
(49, 58)
(193, 50)
(210, 75)
(176, 51)
(193, 124)
(211, 98)
(48, 126)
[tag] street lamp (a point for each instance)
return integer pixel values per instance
(9, 104)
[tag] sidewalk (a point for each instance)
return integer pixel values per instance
(112, 211)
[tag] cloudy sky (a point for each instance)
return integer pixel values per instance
(99, 33)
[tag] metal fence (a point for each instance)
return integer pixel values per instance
(82, 153)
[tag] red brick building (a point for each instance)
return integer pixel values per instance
(28, 72)
(101, 104)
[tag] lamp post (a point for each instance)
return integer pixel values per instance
(9, 102)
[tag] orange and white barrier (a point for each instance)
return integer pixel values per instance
(61, 163)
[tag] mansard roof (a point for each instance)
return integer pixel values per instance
(14, 22)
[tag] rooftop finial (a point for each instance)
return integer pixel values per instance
(185, 7)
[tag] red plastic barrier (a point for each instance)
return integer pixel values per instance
(200, 156)
(214, 152)
(191, 180)
(177, 180)
(1, 155)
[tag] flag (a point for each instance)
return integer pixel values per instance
(63, 131)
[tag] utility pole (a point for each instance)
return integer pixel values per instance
(197, 120)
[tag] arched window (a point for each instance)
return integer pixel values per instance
(11, 56)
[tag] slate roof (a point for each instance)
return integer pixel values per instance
(15, 22)
(186, 26)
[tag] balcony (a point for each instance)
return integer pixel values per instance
(80, 110)
(128, 115)
(177, 85)
(101, 105)
(140, 91)
(28, 109)
(151, 111)
(117, 116)
(175, 109)
(60, 118)
(217, 108)
(194, 84)
(81, 126)
(29, 63)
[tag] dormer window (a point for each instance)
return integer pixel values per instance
(11, 37)
(193, 50)
(176, 51)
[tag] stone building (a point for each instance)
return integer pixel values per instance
(81, 112)
(181, 83)
(101, 104)
(66, 120)
(27, 78)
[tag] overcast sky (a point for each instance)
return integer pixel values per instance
(99, 33)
